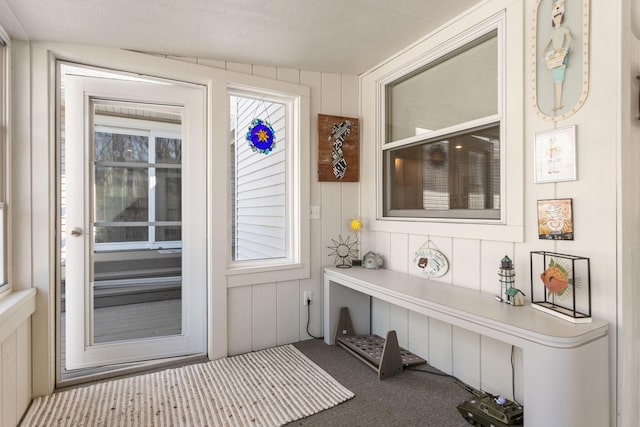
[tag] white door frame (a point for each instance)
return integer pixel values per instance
(81, 352)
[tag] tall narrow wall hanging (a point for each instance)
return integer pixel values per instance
(338, 148)
(560, 57)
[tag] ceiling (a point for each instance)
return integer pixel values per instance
(344, 36)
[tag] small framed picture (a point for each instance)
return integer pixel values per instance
(555, 155)
(555, 219)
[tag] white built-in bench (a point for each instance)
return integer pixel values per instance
(565, 365)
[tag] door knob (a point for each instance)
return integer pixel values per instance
(76, 232)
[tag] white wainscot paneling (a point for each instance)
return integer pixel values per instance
(466, 356)
(239, 320)
(380, 317)
(264, 309)
(399, 322)
(398, 259)
(419, 334)
(495, 368)
(440, 355)
(289, 303)
(15, 375)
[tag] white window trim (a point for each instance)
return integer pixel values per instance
(5, 138)
(456, 33)
(294, 265)
(467, 37)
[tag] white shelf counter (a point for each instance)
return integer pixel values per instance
(566, 365)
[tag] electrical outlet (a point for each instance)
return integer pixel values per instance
(307, 297)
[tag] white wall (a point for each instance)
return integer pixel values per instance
(596, 199)
(628, 221)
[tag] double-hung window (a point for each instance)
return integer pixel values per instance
(442, 145)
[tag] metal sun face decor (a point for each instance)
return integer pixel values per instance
(344, 251)
(261, 136)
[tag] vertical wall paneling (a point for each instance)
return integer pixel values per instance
(289, 312)
(264, 71)
(23, 367)
(239, 320)
(264, 316)
(318, 254)
(20, 192)
(9, 402)
(418, 334)
(379, 317)
(440, 349)
(398, 258)
(349, 107)
(399, 322)
(42, 227)
(290, 75)
(2, 382)
(331, 192)
(495, 367)
(15, 369)
(212, 63)
(240, 68)
(466, 356)
(465, 263)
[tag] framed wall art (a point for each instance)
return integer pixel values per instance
(555, 155)
(338, 148)
(555, 219)
(560, 57)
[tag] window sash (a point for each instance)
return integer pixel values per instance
(151, 166)
(470, 38)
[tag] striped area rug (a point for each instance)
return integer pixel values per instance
(265, 388)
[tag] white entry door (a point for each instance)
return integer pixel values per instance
(134, 177)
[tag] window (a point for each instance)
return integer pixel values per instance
(261, 225)
(137, 173)
(4, 137)
(441, 156)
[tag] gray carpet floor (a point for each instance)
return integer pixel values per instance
(407, 399)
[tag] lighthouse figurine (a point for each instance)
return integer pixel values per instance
(507, 276)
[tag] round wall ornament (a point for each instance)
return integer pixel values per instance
(261, 136)
(431, 262)
(437, 156)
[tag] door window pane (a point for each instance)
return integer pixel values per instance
(121, 194)
(168, 193)
(168, 150)
(117, 147)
